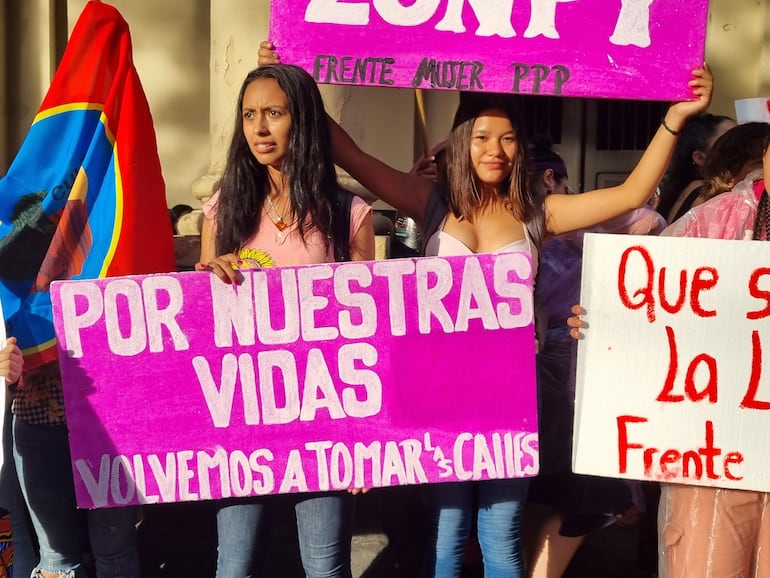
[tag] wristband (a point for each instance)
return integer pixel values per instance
(668, 128)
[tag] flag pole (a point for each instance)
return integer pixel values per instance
(423, 125)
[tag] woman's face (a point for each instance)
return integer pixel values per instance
(266, 121)
(493, 147)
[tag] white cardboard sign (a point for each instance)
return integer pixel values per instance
(672, 383)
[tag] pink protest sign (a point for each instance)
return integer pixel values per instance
(634, 49)
(181, 387)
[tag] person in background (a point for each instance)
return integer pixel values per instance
(25, 555)
(279, 204)
(715, 532)
(684, 177)
(487, 206)
(563, 507)
(734, 155)
(177, 212)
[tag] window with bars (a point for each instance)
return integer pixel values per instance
(543, 115)
(627, 125)
(621, 125)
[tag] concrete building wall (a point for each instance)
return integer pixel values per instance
(171, 52)
(738, 50)
(192, 55)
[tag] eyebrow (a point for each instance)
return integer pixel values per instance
(265, 107)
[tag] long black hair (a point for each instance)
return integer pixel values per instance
(464, 196)
(682, 170)
(307, 167)
(762, 220)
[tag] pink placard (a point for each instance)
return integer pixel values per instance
(181, 387)
(632, 49)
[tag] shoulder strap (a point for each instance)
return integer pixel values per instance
(341, 225)
(687, 204)
(435, 211)
(536, 225)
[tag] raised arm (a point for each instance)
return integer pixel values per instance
(569, 212)
(405, 192)
(11, 361)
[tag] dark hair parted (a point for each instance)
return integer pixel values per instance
(695, 134)
(308, 167)
(464, 194)
(544, 157)
(740, 145)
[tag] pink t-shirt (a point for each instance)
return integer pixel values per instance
(270, 247)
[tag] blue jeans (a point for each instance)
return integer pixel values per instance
(324, 526)
(25, 554)
(498, 504)
(64, 532)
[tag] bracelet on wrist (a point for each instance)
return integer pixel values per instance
(668, 128)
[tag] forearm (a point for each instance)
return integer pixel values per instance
(407, 193)
(649, 171)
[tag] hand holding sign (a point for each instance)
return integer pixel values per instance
(11, 361)
(636, 49)
(702, 86)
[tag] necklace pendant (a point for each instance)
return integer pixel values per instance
(280, 224)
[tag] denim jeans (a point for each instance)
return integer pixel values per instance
(64, 532)
(324, 527)
(25, 554)
(498, 504)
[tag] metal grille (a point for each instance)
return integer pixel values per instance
(624, 125)
(542, 115)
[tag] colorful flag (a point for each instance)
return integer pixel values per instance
(84, 198)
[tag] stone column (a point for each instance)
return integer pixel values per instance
(380, 120)
(734, 40)
(5, 161)
(763, 62)
(237, 27)
(29, 53)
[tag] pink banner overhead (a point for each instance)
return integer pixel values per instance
(633, 49)
(181, 387)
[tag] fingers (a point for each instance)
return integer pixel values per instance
(425, 167)
(577, 309)
(267, 54)
(702, 87)
(11, 361)
(17, 362)
(575, 334)
(576, 322)
(225, 267)
(356, 491)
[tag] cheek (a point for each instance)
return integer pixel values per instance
(476, 154)
(286, 134)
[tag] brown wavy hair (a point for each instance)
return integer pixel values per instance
(740, 145)
(464, 195)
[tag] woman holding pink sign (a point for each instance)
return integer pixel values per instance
(279, 204)
(486, 207)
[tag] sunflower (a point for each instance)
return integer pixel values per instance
(255, 259)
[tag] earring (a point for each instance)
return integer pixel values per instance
(548, 191)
